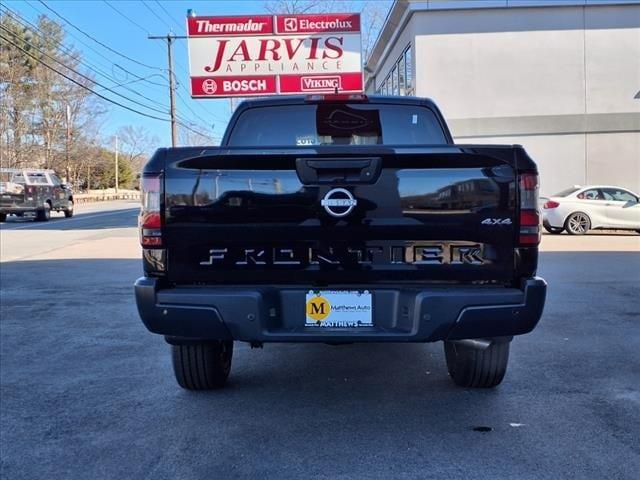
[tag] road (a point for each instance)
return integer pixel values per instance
(87, 392)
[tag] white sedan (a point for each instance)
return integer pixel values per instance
(580, 209)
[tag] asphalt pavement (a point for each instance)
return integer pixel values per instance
(87, 392)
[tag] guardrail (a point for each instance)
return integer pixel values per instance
(105, 197)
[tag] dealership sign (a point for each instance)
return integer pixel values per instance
(270, 54)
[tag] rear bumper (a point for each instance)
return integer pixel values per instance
(552, 218)
(276, 314)
(8, 209)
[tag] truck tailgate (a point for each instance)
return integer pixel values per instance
(329, 215)
(12, 194)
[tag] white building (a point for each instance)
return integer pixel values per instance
(561, 77)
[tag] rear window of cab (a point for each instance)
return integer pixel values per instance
(337, 124)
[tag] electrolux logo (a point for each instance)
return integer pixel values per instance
(290, 24)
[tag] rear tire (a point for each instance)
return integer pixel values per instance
(44, 213)
(203, 366)
(68, 212)
(3, 217)
(578, 223)
(554, 230)
(474, 368)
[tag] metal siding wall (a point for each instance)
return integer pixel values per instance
(539, 78)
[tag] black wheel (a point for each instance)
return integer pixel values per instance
(474, 368)
(578, 223)
(68, 212)
(554, 230)
(3, 217)
(44, 214)
(203, 366)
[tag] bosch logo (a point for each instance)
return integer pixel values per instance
(339, 202)
(209, 86)
(290, 24)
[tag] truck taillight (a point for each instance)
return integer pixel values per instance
(150, 221)
(529, 214)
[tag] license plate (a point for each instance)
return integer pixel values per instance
(338, 309)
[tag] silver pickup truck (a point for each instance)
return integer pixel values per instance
(36, 192)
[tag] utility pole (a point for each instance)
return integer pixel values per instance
(66, 167)
(116, 163)
(172, 106)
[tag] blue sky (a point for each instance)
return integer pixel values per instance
(129, 36)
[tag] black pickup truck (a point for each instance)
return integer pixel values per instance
(337, 219)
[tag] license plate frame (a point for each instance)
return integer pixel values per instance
(339, 309)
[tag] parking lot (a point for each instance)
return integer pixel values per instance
(87, 392)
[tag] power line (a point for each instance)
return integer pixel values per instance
(184, 102)
(93, 68)
(156, 15)
(84, 86)
(136, 24)
(179, 64)
(125, 17)
(169, 15)
(68, 50)
(204, 110)
(184, 125)
(97, 41)
(83, 75)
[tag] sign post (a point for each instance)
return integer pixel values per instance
(274, 54)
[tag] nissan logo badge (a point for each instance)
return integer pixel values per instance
(338, 202)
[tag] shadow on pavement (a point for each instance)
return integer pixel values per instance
(122, 218)
(87, 391)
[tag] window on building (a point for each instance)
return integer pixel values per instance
(400, 80)
(401, 76)
(394, 80)
(408, 76)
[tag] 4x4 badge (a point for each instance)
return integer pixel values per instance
(338, 202)
(496, 221)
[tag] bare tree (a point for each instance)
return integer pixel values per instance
(35, 129)
(136, 145)
(372, 14)
(291, 7)
(191, 138)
